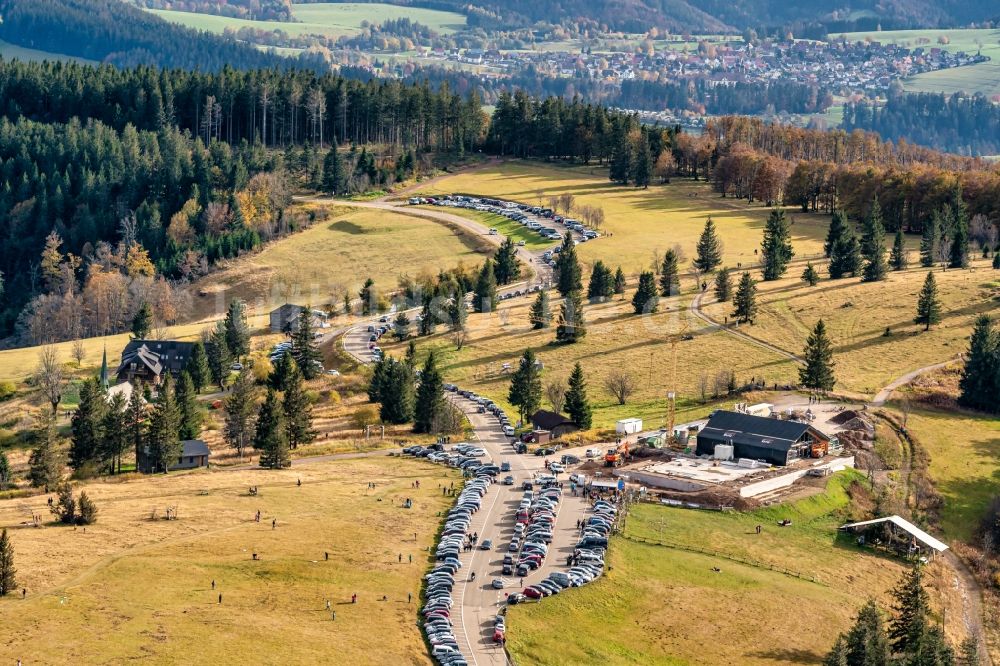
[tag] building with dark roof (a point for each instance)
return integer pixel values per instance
(286, 317)
(759, 438)
(148, 360)
(555, 423)
(193, 454)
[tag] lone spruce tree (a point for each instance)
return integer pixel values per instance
(620, 281)
(601, 286)
(576, 403)
(838, 229)
(240, 408)
(526, 386)
(164, 427)
(776, 248)
(304, 349)
(197, 366)
(430, 397)
(45, 464)
(645, 300)
(980, 382)
(928, 305)
(568, 268)
(541, 315)
(670, 282)
(237, 329)
(709, 249)
(296, 407)
(723, 285)
(959, 251)
(745, 300)
(485, 299)
(817, 373)
(269, 437)
(929, 238)
(187, 406)
(8, 581)
(505, 265)
(897, 259)
(873, 245)
(571, 327)
(810, 276)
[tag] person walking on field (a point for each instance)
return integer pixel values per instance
(274, 523)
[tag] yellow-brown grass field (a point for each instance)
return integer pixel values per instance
(856, 316)
(334, 256)
(641, 222)
(134, 588)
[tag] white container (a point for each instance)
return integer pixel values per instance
(628, 426)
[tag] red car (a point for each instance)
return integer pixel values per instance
(498, 636)
(532, 593)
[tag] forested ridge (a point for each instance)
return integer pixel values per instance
(955, 123)
(120, 33)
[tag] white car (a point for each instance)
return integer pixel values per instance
(508, 431)
(593, 453)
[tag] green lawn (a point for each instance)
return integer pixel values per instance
(965, 465)
(328, 19)
(661, 605)
(984, 77)
(11, 51)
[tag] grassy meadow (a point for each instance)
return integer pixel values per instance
(330, 19)
(982, 77)
(663, 605)
(640, 223)
(148, 582)
(13, 52)
(335, 255)
(857, 315)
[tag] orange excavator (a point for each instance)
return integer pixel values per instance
(615, 457)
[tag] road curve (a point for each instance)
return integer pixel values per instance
(695, 308)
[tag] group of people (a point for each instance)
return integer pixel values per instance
(471, 540)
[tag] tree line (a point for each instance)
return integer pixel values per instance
(956, 123)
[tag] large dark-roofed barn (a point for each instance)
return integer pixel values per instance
(758, 438)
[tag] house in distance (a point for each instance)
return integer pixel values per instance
(734, 435)
(286, 317)
(194, 453)
(148, 360)
(557, 424)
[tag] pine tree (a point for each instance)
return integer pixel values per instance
(237, 329)
(838, 229)
(8, 574)
(428, 322)
(873, 245)
(958, 256)
(505, 265)
(297, 409)
(897, 260)
(86, 510)
(776, 248)
(621, 161)
(929, 239)
(867, 644)
(65, 507)
(601, 286)
(846, 257)
(45, 464)
(642, 163)
(838, 655)
(723, 285)
(645, 299)
(907, 627)
(928, 305)
(571, 327)
(86, 425)
(142, 322)
(187, 407)
(334, 175)
(745, 300)
(6, 475)
(526, 386)
(238, 429)
(396, 395)
(115, 428)
(197, 366)
(368, 297)
(817, 373)
(541, 315)
(619, 281)
(709, 249)
(136, 421)
(458, 313)
(576, 403)
(809, 275)
(410, 357)
(304, 349)
(569, 275)
(219, 357)
(269, 437)
(980, 382)
(164, 426)
(670, 282)
(430, 396)
(485, 299)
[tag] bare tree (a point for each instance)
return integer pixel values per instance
(449, 420)
(620, 385)
(459, 337)
(566, 202)
(555, 393)
(703, 387)
(79, 352)
(50, 376)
